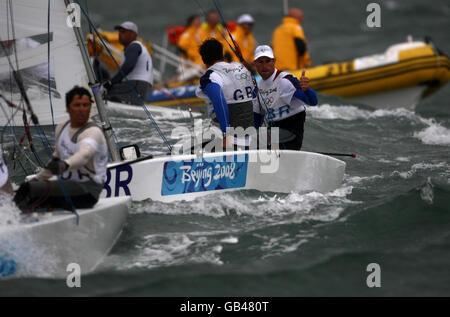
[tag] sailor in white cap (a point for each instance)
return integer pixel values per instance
(137, 67)
(244, 38)
(284, 97)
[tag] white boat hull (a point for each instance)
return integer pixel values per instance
(173, 178)
(45, 244)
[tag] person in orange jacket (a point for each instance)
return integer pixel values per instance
(289, 43)
(244, 38)
(211, 28)
(190, 41)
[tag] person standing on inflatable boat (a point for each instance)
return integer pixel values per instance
(79, 161)
(284, 97)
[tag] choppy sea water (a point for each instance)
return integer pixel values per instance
(392, 208)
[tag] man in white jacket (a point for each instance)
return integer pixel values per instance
(79, 162)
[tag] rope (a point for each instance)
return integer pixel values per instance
(48, 64)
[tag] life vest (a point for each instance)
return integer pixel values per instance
(69, 146)
(143, 70)
(270, 93)
(238, 92)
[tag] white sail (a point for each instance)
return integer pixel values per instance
(24, 32)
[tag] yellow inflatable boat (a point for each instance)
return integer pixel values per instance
(400, 77)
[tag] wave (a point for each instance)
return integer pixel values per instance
(346, 112)
(433, 134)
(232, 219)
(250, 204)
(421, 166)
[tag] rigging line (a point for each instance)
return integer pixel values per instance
(238, 53)
(35, 120)
(68, 198)
(239, 56)
(16, 144)
(13, 34)
(149, 115)
(8, 4)
(48, 64)
(18, 79)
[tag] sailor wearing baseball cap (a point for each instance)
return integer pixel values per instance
(127, 25)
(244, 38)
(136, 66)
(285, 98)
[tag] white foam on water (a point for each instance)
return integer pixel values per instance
(402, 159)
(345, 112)
(434, 134)
(285, 243)
(419, 166)
(29, 260)
(18, 246)
(255, 214)
(265, 207)
(361, 179)
(169, 249)
(329, 112)
(230, 240)
(426, 192)
(9, 213)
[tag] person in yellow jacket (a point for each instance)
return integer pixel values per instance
(244, 38)
(213, 29)
(190, 41)
(289, 43)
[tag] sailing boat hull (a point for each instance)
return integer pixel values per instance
(187, 177)
(45, 244)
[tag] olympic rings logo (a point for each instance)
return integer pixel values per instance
(268, 101)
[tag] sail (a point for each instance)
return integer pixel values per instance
(25, 33)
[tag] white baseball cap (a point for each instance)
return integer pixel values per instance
(128, 25)
(245, 18)
(263, 50)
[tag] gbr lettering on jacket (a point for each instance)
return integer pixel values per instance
(241, 95)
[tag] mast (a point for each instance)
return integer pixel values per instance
(106, 126)
(285, 6)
